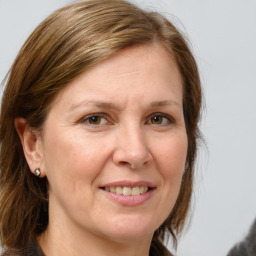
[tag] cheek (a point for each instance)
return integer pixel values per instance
(72, 157)
(171, 155)
(171, 160)
(72, 163)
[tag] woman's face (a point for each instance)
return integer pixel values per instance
(114, 146)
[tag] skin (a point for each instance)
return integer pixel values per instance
(141, 137)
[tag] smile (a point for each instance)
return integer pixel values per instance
(127, 191)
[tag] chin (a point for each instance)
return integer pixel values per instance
(128, 236)
(131, 229)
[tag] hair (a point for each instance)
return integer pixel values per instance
(67, 43)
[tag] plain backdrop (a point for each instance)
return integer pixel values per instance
(222, 34)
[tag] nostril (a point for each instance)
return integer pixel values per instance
(131, 158)
(124, 163)
(130, 165)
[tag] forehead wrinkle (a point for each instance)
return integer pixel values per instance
(165, 103)
(121, 74)
(100, 104)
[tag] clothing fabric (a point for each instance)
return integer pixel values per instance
(248, 246)
(158, 249)
(33, 249)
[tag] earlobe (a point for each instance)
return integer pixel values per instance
(32, 145)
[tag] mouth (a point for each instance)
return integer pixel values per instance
(127, 191)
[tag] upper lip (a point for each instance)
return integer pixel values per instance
(127, 183)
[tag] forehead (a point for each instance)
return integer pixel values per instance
(137, 59)
(138, 69)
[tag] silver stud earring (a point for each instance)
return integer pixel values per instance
(37, 172)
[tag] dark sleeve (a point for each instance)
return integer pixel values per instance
(248, 246)
(238, 250)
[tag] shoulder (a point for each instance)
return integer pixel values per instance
(248, 246)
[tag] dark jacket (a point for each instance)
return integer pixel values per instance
(33, 249)
(248, 246)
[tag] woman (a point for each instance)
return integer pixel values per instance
(99, 130)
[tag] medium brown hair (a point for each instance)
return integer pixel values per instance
(67, 43)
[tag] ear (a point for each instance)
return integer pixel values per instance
(32, 145)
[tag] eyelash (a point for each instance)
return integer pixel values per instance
(86, 119)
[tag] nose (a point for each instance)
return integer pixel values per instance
(131, 149)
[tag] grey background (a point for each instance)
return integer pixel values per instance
(223, 38)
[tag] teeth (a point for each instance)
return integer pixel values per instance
(127, 191)
(119, 190)
(113, 189)
(143, 190)
(136, 191)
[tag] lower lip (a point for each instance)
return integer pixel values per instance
(130, 200)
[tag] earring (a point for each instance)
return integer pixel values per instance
(37, 172)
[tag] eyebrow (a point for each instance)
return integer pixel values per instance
(100, 104)
(111, 105)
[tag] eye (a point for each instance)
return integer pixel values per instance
(160, 119)
(156, 119)
(95, 119)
